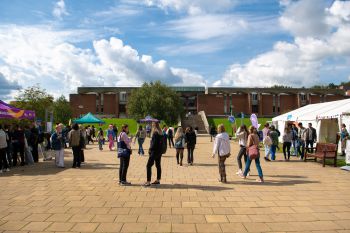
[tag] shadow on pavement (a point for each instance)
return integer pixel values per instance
(192, 186)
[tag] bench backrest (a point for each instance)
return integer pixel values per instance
(331, 147)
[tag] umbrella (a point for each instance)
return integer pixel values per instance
(148, 119)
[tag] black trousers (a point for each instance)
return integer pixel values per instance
(286, 149)
(242, 153)
(171, 141)
(311, 144)
(3, 159)
(82, 156)
(18, 147)
(35, 153)
(151, 161)
(179, 154)
(190, 154)
(76, 156)
(123, 168)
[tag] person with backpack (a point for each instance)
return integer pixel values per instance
(140, 136)
(191, 140)
(223, 149)
(124, 143)
(179, 145)
(253, 154)
(155, 151)
(170, 136)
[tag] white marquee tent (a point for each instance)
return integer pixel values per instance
(325, 117)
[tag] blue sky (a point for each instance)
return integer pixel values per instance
(63, 44)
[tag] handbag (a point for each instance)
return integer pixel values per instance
(122, 149)
(253, 151)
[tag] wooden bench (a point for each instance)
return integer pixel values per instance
(323, 151)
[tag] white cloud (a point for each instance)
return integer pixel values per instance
(301, 62)
(30, 55)
(59, 9)
(193, 7)
(7, 87)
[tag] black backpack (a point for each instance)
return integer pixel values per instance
(163, 143)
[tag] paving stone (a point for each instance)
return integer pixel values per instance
(36, 226)
(184, 227)
(85, 227)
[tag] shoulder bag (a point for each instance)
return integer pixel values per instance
(253, 150)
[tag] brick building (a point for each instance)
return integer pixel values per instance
(215, 101)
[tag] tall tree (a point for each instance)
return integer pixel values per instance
(157, 100)
(35, 98)
(62, 110)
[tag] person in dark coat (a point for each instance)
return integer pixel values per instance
(18, 145)
(191, 139)
(34, 143)
(155, 154)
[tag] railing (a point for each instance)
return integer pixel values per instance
(205, 120)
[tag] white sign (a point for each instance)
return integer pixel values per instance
(48, 127)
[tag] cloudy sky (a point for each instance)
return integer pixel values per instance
(63, 44)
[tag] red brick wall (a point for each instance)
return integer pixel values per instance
(109, 104)
(267, 105)
(333, 97)
(240, 103)
(287, 103)
(314, 99)
(211, 104)
(88, 101)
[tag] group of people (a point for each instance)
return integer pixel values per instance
(299, 139)
(158, 145)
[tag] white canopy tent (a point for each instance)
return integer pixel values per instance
(327, 118)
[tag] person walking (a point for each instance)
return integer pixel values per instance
(287, 142)
(18, 145)
(301, 140)
(242, 135)
(140, 136)
(34, 142)
(83, 142)
(3, 147)
(343, 137)
(223, 149)
(311, 138)
(179, 145)
(294, 140)
(274, 138)
(124, 142)
(267, 141)
(253, 140)
(170, 136)
(213, 133)
(155, 154)
(100, 138)
(191, 140)
(57, 144)
(111, 136)
(75, 139)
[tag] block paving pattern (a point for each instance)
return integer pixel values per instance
(296, 197)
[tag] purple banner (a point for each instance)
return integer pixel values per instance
(9, 112)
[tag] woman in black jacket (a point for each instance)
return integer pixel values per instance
(191, 140)
(155, 154)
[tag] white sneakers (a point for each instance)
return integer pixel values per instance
(4, 170)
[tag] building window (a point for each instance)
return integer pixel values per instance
(254, 96)
(302, 97)
(255, 108)
(273, 109)
(122, 96)
(101, 108)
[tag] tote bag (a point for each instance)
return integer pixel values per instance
(253, 151)
(122, 149)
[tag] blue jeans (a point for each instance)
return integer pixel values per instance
(100, 143)
(294, 147)
(140, 141)
(301, 148)
(273, 152)
(257, 164)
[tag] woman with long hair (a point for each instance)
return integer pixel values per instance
(179, 145)
(140, 136)
(110, 135)
(287, 142)
(253, 139)
(242, 135)
(223, 149)
(155, 154)
(125, 159)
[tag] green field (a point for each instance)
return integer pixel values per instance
(228, 126)
(118, 122)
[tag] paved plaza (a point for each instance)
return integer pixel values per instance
(297, 196)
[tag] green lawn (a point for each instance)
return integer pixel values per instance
(119, 122)
(228, 126)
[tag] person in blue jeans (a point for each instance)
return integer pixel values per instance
(253, 139)
(274, 139)
(140, 136)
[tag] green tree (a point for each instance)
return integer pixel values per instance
(35, 98)
(62, 110)
(157, 100)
